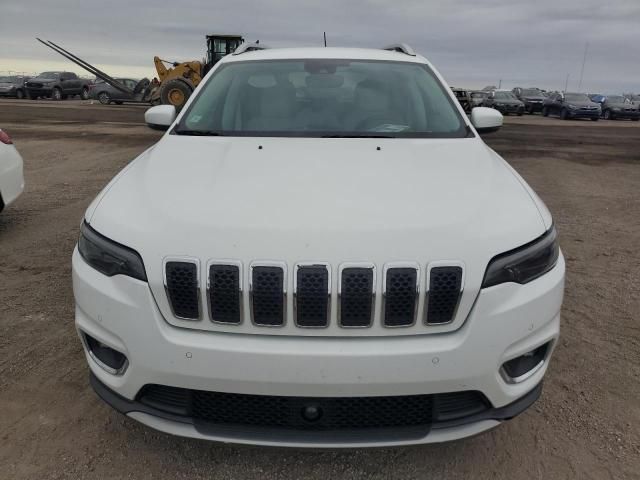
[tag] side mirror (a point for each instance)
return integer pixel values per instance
(486, 120)
(160, 117)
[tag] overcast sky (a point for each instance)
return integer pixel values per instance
(472, 42)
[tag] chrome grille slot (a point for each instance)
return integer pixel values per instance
(182, 284)
(400, 296)
(445, 288)
(268, 295)
(357, 296)
(225, 294)
(312, 295)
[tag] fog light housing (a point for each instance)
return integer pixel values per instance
(519, 369)
(106, 357)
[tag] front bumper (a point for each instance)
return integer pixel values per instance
(533, 106)
(507, 321)
(626, 114)
(583, 114)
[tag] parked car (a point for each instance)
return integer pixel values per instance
(477, 98)
(571, 105)
(13, 86)
(464, 98)
(57, 86)
(107, 94)
(533, 98)
(261, 276)
(504, 101)
(617, 107)
(11, 174)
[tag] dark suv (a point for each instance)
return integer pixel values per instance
(13, 86)
(58, 86)
(616, 106)
(505, 102)
(532, 98)
(571, 105)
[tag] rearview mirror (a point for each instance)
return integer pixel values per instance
(160, 117)
(486, 120)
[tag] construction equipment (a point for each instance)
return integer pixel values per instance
(179, 80)
(176, 80)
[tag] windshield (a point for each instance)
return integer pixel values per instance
(615, 99)
(504, 96)
(49, 75)
(531, 92)
(323, 97)
(6, 79)
(576, 97)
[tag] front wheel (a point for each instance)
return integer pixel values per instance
(564, 114)
(175, 92)
(19, 94)
(608, 115)
(104, 98)
(545, 112)
(56, 94)
(84, 95)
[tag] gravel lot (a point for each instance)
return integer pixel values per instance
(585, 426)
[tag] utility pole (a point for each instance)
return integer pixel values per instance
(499, 84)
(584, 60)
(566, 83)
(325, 39)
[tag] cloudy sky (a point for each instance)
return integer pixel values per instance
(472, 42)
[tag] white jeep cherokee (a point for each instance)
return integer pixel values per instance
(321, 251)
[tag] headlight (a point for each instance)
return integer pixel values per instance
(109, 257)
(616, 109)
(525, 263)
(572, 107)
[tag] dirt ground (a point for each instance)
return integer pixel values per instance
(585, 426)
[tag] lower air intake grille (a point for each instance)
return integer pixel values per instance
(224, 293)
(400, 297)
(182, 288)
(317, 413)
(445, 284)
(356, 297)
(312, 296)
(267, 295)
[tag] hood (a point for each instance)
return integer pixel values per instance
(329, 200)
(583, 103)
(533, 98)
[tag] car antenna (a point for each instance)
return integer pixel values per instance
(325, 39)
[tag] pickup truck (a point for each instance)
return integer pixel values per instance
(57, 86)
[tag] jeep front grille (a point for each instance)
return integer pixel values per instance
(445, 287)
(317, 302)
(312, 294)
(225, 294)
(268, 295)
(181, 282)
(400, 296)
(357, 295)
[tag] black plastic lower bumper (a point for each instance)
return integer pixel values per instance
(126, 406)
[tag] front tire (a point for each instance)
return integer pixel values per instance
(175, 92)
(545, 112)
(564, 114)
(104, 98)
(19, 94)
(607, 115)
(84, 95)
(56, 94)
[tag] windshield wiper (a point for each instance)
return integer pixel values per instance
(338, 135)
(198, 133)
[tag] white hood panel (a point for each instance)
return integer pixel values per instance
(329, 200)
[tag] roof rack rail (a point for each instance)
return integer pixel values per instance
(249, 47)
(402, 48)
